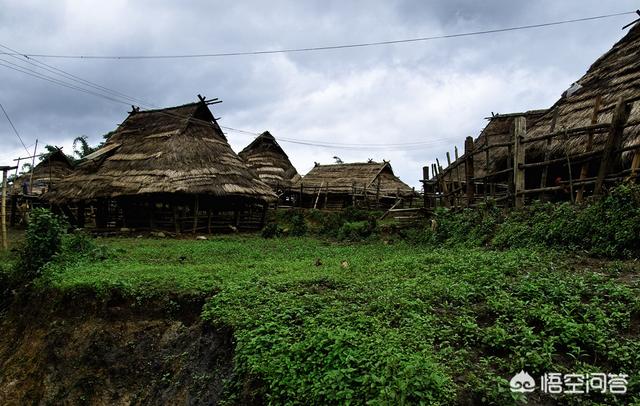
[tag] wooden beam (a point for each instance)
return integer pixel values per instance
(584, 170)
(547, 150)
(519, 131)
(468, 169)
(620, 117)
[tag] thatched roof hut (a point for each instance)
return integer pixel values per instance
(341, 179)
(168, 167)
(497, 131)
(47, 173)
(265, 157)
(614, 75)
(173, 150)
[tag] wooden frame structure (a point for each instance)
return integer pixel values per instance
(525, 178)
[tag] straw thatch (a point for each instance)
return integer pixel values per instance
(177, 150)
(342, 178)
(46, 174)
(265, 157)
(615, 74)
(498, 130)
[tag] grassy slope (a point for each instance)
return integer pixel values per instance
(398, 324)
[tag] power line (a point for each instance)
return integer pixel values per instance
(66, 75)
(38, 75)
(326, 47)
(31, 72)
(14, 128)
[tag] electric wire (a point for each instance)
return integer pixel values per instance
(330, 47)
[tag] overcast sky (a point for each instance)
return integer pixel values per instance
(436, 92)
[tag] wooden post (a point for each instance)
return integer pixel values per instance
(209, 220)
(486, 179)
(318, 195)
(547, 150)
(425, 179)
(175, 217)
(326, 195)
(620, 116)
(5, 241)
(353, 194)
(300, 201)
(196, 209)
(378, 193)
(33, 163)
(584, 170)
(468, 169)
(519, 130)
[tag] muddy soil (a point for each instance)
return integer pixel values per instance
(79, 349)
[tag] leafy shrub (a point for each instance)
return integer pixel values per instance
(298, 224)
(608, 227)
(271, 230)
(43, 241)
(356, 230)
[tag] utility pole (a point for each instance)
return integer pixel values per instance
(5, 169)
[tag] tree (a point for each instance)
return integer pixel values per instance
(85, 149)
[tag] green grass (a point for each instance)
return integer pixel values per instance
(394, 324)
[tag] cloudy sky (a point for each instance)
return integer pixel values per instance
(435, 93)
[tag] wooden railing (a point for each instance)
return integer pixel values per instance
(512, 184)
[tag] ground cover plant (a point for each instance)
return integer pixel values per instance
(319, 322)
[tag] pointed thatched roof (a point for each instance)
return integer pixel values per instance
(173, 150)
(341, 178)
(265, 156)
(47, 173)
(615, 74)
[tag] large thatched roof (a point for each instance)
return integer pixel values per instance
(497, 131)
(173, 150)
(341, 178)
(265, 156)
(47, 173)
(615, 74)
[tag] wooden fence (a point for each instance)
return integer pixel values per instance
(524, 178)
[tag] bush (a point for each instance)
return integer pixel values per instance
(43, 241)
(356, 230)
(271, 230)
(608, 227)
(298, 224)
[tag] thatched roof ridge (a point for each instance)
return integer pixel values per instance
(173, 150)
(46, 174)
(615, 74)
(267, 158)
(341, 178)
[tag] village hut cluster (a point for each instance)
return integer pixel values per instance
(588, 141)
(173, 169)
